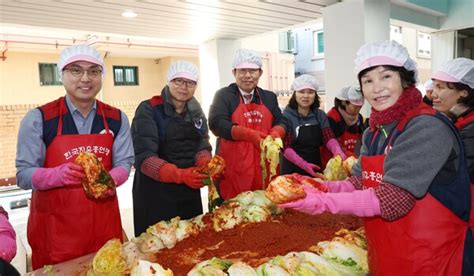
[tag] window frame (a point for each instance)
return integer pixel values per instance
(419, 45)
(53, 70)
(123, 69)
(316, 43)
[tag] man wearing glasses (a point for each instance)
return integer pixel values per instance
(171, 139)
(241, 115)
(64, 223)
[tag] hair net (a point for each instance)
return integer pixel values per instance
(305, 81)
(79, 52)
(428, 85)
(384, 53)
(245, 58)
(457, 70)
(351, 94)
(183, 69)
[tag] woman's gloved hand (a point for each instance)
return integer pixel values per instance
(172, 174)
(335, 148)
(7, 239)
(362, 203)
(119, 175)
(339, 186)
(240, 133)
(62, 175)
(294, 158)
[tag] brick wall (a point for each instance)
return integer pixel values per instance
(10, 118)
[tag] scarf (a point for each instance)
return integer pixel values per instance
(349, 119)
(409, 99)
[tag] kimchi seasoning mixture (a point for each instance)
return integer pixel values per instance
(255, 243)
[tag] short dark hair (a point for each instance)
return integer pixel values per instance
(469, 100)
(293, 104)
(340, 103)
(407, 77)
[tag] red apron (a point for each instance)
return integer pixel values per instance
(461, 123)
(412, 245)
(242, 170)
(64, 223)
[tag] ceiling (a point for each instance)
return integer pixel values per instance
(161, 27)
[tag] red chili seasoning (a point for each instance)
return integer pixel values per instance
(255, 243)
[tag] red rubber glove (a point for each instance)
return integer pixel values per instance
(277, 132)
(62, 175)
(245, 134)
(172, 174)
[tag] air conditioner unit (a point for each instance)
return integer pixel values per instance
(288, 42)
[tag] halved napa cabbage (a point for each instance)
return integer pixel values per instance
(166, 231)
(334, 169)
(146, 268)
(148, 243)
(346, 254)
(241, 269)
(269, 269)
(289, 262)
(254, 213)
(212, 267)
(109, 260)
(323, 266)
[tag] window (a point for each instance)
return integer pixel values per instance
(396, 34)
(424, 45)
(288, 42)
(318, 44)
(125, 75)
(48, 73)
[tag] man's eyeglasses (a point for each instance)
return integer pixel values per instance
(181, 82)
(78, 72)
(244, 71)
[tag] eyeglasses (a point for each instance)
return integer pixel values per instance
(78, 72)
(181, 82)
(244, 71)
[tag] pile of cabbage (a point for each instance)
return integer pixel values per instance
(344, 255)
(247, 207)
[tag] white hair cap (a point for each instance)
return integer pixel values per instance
(457, 70)
(245, 58)
(428, 85)
(80, 52)
(351, 94)
(383, 53)
(183, 69)
(305, 81)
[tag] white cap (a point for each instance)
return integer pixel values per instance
(245, 58)
(383, 53)
(428, 85)
(351, 94)
(305, 81)
(457, 70)
(183, 69)
(80, 52)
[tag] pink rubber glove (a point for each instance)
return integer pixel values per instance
(294, 158)
(335, 148)
(362, 203)
(340, 186)
(7, 240)
(62, 175)
(119, 175)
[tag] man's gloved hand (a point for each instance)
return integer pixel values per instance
(62, 175)
(335, 148)
(362, 203)
(240, 133)
(277, 132)
(119, 175)
(172, 174)
(294, 158)
(7, 239)
(202, 158)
